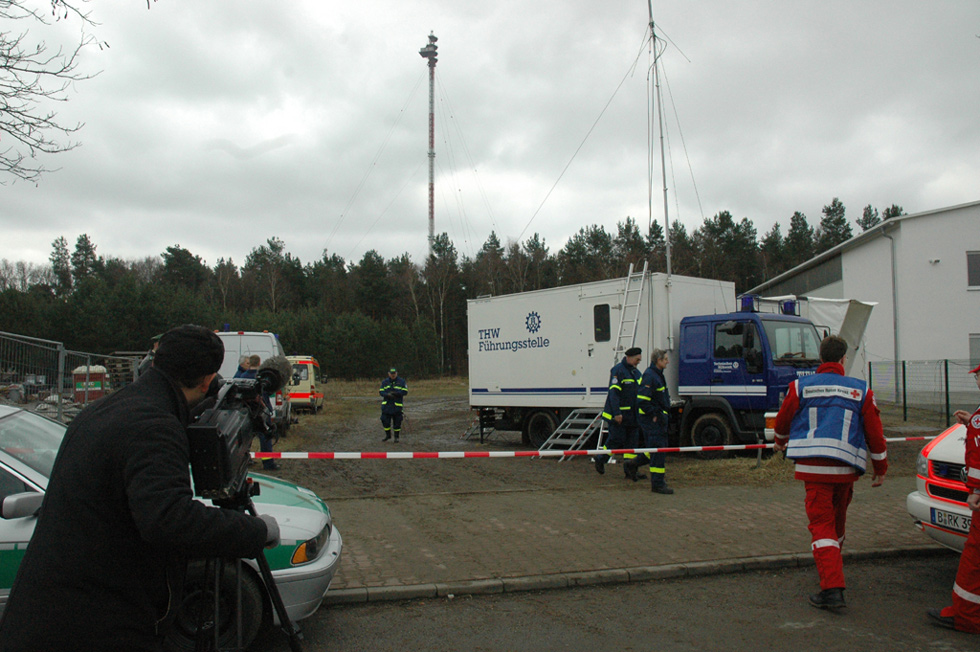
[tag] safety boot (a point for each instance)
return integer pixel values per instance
(387, 436)
(600, 466)
(940, 620)
(661, 489)
(828, 599)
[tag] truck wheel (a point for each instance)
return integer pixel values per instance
(540, 425)
(711, 429)
(199, 596)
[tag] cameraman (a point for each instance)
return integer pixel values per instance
(104, 569)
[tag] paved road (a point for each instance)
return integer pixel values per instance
(750, 611)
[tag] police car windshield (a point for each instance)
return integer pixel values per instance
(792, 343)
(31, 439)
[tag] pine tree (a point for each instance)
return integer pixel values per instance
(61, 267)
(834, 228)
(869, 218)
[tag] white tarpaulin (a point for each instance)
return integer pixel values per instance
(845, 317)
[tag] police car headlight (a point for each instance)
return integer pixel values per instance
(922, 465)
(311, 548)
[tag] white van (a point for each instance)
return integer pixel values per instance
(305, 388)
(265, 345)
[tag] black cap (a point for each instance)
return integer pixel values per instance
(188, 353)
(630, 352)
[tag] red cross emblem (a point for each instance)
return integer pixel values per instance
(855, 393)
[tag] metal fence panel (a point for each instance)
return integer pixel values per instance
(935, 388)
(49, 377)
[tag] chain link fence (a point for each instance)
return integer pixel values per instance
(46, 377)
(928, 390)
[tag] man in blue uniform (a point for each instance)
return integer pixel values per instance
(653, 407)
(619, 413)
(393, 390)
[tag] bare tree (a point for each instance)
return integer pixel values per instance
(31, 77)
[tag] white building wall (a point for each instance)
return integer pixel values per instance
(866, 271)
(936, 310)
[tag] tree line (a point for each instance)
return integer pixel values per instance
(358, 318)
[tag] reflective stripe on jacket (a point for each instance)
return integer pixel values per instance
(621, 398)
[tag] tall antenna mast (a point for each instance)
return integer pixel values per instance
(657, 103)
(429, 52)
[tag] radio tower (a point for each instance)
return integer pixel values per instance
(429, 52)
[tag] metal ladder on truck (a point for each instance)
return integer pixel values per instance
(575, 431)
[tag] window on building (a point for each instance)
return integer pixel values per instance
(600, 319)
(973, 269)
(974, 350)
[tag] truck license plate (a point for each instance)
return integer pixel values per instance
(950, 520)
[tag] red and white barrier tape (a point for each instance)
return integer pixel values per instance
(425, 455)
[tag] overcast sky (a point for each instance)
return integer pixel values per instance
(217, 125)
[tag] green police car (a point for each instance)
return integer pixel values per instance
(303, 565)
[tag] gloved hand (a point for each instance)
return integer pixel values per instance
(272, 531)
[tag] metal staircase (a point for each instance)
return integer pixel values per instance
(575, 431)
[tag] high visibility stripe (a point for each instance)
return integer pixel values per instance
(846, 426)
(628, 381)
(616, 387)
(625, 407)
(723, 390)
(825, 543)
(606, 415)
(879, 456)
(643, 398)
(812, 414)
(824, 470)
(974, 473)
(654, 469)
(966, 595)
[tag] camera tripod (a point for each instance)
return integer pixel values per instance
(208, 632)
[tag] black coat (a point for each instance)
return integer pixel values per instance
(106, 560)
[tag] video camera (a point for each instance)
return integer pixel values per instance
(221, 437)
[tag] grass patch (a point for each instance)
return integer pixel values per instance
(427, 388)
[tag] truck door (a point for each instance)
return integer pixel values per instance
(738, 368)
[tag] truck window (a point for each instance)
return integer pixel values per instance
(695, 338)
(728, 341)
(600, 319)
(792, 342)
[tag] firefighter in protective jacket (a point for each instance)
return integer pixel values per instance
(828, 424)
(619, 413)
(964, 615)
(393, 390)
(653, 401)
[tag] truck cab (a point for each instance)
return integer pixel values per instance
(735, 367)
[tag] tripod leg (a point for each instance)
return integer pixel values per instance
(288, 626)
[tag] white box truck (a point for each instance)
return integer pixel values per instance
(536, 356)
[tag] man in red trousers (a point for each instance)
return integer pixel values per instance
(964, 615)
(828, 423)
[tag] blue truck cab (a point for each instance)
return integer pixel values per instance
(735, 367)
